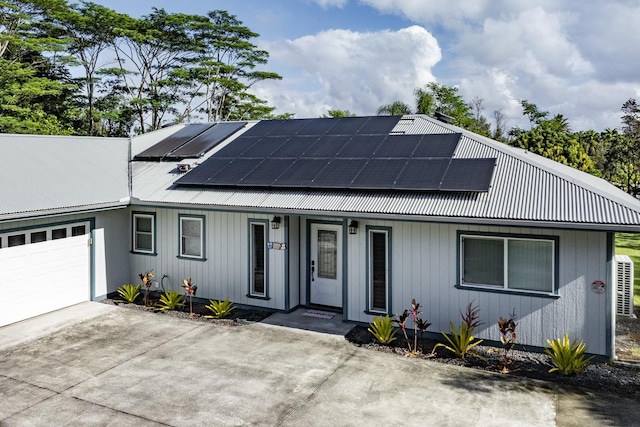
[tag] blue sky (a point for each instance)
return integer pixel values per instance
(578, 58)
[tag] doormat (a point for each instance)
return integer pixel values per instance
(319, 314)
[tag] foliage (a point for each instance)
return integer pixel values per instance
(190, 290)
(220, 308)
(338, 113)
(629, 244)
(569, 357)
(446, 100)
(507, 329)
(418, 326)
(129, 293)
(396, 108)
(170, 300)
(383, 330)
(147, 281)
(461, 342)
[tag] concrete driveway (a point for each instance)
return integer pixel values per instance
(127, 367)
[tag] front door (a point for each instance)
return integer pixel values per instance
(326, 265)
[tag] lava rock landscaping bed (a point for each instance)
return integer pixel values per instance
(604, 377)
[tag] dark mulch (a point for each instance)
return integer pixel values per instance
(239, 316)
(605, 377)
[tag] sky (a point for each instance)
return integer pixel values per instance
(578, 58)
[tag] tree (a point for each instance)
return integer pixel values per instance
(445, 100)
(338, 113)
(396, 108)
(532, 111)
(499, 131)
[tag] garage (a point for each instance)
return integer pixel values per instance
(45, 276)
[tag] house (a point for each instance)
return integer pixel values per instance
(355, 214)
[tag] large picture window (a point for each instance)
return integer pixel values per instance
(144, 233)
(379, 268)
(192, 237)
(509, 263)
(258, 261)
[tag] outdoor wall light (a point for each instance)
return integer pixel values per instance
(353, 227)
(275, 222)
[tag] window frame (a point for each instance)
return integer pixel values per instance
(189, 217)
(504, 288)
(134, 231)
(370, 231)
(251, 228)
(47, 229)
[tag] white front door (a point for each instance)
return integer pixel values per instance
(326, 265)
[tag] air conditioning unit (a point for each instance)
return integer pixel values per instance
(624, 285)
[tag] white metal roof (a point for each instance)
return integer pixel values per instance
(526, 189)
(55, 174)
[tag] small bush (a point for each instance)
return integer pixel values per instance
(147, 281)
(568, 356)
(383, 330)
(219, 309)
(190, 290)
(419, 325)
(462, 341)
(507, 328)
(170, 300)
(129, 293)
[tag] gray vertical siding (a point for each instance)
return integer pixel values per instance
(225, 272)
(424, 258)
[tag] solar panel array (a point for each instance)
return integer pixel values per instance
(192, 141)
(345, 153)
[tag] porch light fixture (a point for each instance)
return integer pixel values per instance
(353, 227)
(275, 222)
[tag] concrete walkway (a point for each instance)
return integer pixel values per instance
(128, 367)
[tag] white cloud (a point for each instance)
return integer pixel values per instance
(347, 70)
(331, 3)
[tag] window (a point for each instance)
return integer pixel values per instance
(17, 240)
(58, 233)
(378, 278)
(512, 263)
(192, 237)
(78, 230)
(144, 233)
(258, 272)
(38, 236)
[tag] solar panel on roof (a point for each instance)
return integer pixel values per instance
(301, 173)
(398, 146)
(295, 146)
(207, 140)
(421, 174)
(347, 125)
(380, 125)
(437, 145)
(468, 175)
(263, 147)
(233, 172)
(265, 173)
(317, 126)
(360, 146)
(378, 174)
(173, 142)
(289, 127)
(339, 173)
(327, 146)
(263, 127)
(239, 146)
(202, 175)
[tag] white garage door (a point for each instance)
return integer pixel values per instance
(42, 277)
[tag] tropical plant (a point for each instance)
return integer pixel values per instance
(219, 308)
(419, 325)
(129, 293)
(461, 342)
(170, 300)
(507, 329)
(383, 330)
(190, 290)
(147, 281)
(569, 357)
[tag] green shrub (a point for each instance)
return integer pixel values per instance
(383, 330)
(568, 356)
(170, 300)
(219, 309)
(129, 293)
(462, 341)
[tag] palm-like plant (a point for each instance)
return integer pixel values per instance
(171, 300)
(383, 330)
(461, 342)
(220, 309)
(129, 293)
